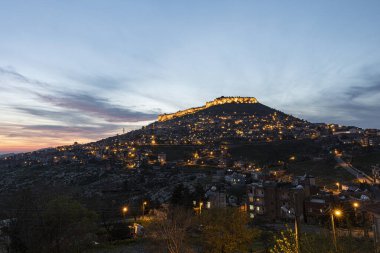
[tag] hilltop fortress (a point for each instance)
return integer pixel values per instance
(217, 101)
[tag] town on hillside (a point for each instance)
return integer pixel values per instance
(276, 170)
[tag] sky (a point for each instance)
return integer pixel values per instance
(82, 70)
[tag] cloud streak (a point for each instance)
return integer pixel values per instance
(51, 116)
(96, 106)
(358, 91)
(65, 117)
(356, 104)
(12, 74)
(71, 132)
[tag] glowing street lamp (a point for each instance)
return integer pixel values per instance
(200, 207)
(124, 211)
(338, 213)
(338, 185)
(143, 208)
(356, 205)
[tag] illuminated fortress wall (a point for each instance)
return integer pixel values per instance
(217, 101)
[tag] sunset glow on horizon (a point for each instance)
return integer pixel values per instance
(34, 144)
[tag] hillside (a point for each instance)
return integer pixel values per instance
(183, 149)
(231, 122)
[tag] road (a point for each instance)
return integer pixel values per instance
(360, 175)
(306, 228)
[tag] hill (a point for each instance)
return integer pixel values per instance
(188, 147)
(229, 120)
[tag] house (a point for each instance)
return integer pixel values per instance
(216, 198)
(272, 200)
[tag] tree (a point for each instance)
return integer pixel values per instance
(285, 243)
(68, 225)
(226, 231)
(60, 225)
(199, 193)
(170, 230)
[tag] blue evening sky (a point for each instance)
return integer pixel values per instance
(82, 70)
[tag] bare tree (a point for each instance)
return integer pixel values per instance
(226, 231)
(170, 230)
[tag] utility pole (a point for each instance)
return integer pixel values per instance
(296, 232)
(296, 223)
(375, 239)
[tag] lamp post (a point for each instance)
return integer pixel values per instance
(143, 208)
(200, 207)
(296, 234)
(356, 206)
(337, 213)
(124, 211)
(296, 223)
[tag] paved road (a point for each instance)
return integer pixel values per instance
(360, 175)
(306, 228)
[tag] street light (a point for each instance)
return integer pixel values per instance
(143, 208)
(356, 206)
(124, 211)
(200, 207)
(337, 213)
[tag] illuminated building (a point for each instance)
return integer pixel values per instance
(217, 101)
